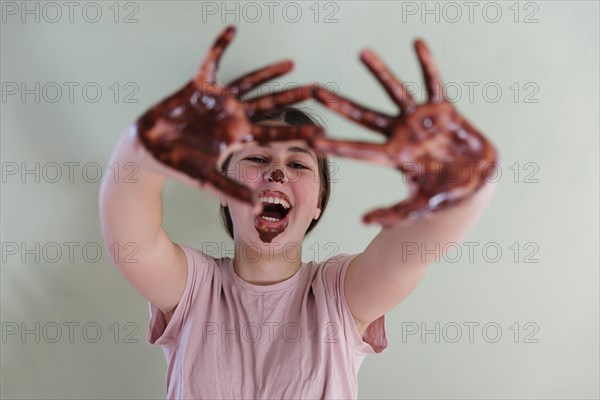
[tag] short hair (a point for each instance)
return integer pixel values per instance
(291, 116)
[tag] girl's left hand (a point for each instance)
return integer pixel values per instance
(445, 159)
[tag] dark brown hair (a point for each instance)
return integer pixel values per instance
(291, 116)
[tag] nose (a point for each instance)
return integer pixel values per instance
(275, 175)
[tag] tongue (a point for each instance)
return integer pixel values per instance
(267, 230)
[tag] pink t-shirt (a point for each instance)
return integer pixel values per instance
(229, 339)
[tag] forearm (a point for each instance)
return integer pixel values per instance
(420, 243)
(131, 203)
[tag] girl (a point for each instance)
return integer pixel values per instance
(264, 324)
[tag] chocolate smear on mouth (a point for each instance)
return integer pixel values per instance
(268, 233)
(267, 236)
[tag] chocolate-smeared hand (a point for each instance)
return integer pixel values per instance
(445, 159)
(195, 128)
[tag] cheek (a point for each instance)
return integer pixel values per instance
(306, 188)
(249, 173)
(302, 176)
(294, 175)
(245, 173)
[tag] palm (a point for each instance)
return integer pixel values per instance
(444, 157)
(195, 128)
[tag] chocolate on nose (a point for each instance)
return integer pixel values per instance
(277, 175)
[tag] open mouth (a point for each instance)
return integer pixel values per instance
(275, 216)
(275, 207)
(274, 212)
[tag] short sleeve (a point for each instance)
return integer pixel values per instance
(199, 268)
(374, 341)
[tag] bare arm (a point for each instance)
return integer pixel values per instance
(131, 218)
(447, 163)
(394, 262)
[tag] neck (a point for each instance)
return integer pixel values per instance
(267, 267)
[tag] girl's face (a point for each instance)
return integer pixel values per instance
(285, 175)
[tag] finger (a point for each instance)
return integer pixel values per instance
(193, 164)
(430, 73)
(251, 80)
(393, 86)
(383, 216)
(208, 71)
(372, 152)
(271, 102)
(231, 188)
(366, 117)
(406, 211)
(263, 133)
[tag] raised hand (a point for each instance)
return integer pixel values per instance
(445, 159)
(194, 129)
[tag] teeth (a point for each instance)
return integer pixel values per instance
(270, 219)
(275, 200)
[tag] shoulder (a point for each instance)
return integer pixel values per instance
(338, 262)
(330, 280)
(197, 256)
(332, 271)
(202, 265)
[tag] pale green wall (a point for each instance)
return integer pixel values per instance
(555, 217)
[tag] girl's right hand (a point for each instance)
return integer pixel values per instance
(194, 129)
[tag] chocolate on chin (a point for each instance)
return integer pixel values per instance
(267, 230)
